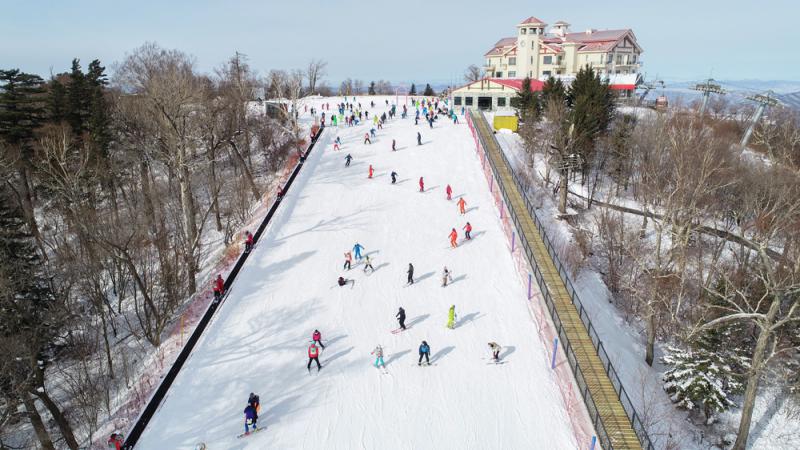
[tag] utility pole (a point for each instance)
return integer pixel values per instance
(763, 100)
(707, 88)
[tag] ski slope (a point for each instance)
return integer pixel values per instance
(258, 340)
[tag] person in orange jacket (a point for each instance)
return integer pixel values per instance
(453, 237)
(449, 191)
(461, 204)
(219, 288)
(421, 185)
(467, 231)
(370, 171)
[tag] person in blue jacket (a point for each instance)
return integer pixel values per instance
(424, 351)
(357, 250)
(250, 418)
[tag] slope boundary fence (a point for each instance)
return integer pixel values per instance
(158, 396)
(612, 413)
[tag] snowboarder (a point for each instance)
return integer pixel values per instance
(394, 177)
(495, 348)
(250, 419)
(451, 317)
(467, 231)
(368, 264)
(219, 288)
(317, 338)
(370, 171)
(424, 352)
(116, 440)
(410, 273)
(366, 139)
(347, 160)
(248, 241)
(348, 258)
(449, 191)
(453, 238)
(419, 138)
(378, 352)
(313, 355)
(343, 281)
(357, 250)
(446, 276)
(394, 148)
(461, 204)
(401, 318)
(421, 185)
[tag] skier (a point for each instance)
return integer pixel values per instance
(401, 318)
(348, 258)
(368, 264)
(338, 140)
(366, 139)
(378, 352)
(248, 241)
(372, 132)
(347, 160)
(453, 237)
(449, 192)
(394, 177)
(461, 204)
(495, 348)
(280, 193)
(467, 231)
(357, 250)
(317, 338)
(255, 402)
(116, 440)
(446, 277)
(410, 273)
(335, 147)
(416, 119)
(394, 148)
(250, 419)
(421, 185)
(219, 288)
(343, 281)
(424, 351)
(370, 171)
(419, 138)
(451, 317)
(313, 355)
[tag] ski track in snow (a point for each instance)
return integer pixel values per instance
(257, 341)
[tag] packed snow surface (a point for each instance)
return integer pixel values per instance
(258, 340)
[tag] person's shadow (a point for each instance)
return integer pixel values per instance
(441, 353)
(507, 351)
(396, 355)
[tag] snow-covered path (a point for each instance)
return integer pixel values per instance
(258, 340)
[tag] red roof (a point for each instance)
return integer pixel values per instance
(516, 83)
(532, 21)
(622, 87)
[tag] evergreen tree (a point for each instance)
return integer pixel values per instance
(98, 122)
(371, 88)
(428, 91)
(57, 101)
(78, 99)
(553, 88)
(413, 89)
(21, 108)
(526, 101)
(592, 108)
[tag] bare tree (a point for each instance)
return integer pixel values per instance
(314, 73)
(473, 73)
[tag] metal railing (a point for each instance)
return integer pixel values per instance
(611, 372)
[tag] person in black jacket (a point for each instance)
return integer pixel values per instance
(401, 317)
(410, 274)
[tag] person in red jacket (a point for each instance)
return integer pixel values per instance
(421, 185)
(317, 338)
(313, 355)
(248, 241)
(370, 171)
(280, 193)
(366, 139)
(453, 237)
(467, 231)
(116, 440)
(219, 288)
(461, 204)
(449, 191)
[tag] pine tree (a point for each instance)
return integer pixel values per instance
(413, 89)
(77, 99)
(553, 88)
(428, 91)
(526, 101)
(371, 88)
(592, 109)
(57, 101)
(98, 122)
(21, 107)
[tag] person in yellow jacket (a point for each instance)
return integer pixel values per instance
(451, 317)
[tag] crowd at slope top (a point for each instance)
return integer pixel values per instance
(430, 110)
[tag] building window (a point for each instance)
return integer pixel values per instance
(512, 61)
(457, 101)
(633, 59)
(546, 73)
(468, 101)
(499, 74)
(501, 101)
(620, 59)
(548, 59)
(512, 74)
(609, 58)
(522, 30)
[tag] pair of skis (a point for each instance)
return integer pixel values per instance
(250, 433)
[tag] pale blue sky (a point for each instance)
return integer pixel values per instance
(399, 40)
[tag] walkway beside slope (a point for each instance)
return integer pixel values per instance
(604, 400)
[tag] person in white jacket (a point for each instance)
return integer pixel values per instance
(378, 352)
(495, 348)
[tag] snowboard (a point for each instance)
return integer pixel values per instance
(251, 433)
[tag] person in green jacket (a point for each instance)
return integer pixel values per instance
(451, 317)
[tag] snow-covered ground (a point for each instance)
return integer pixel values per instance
(258, 340)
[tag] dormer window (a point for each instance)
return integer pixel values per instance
(522, 30)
